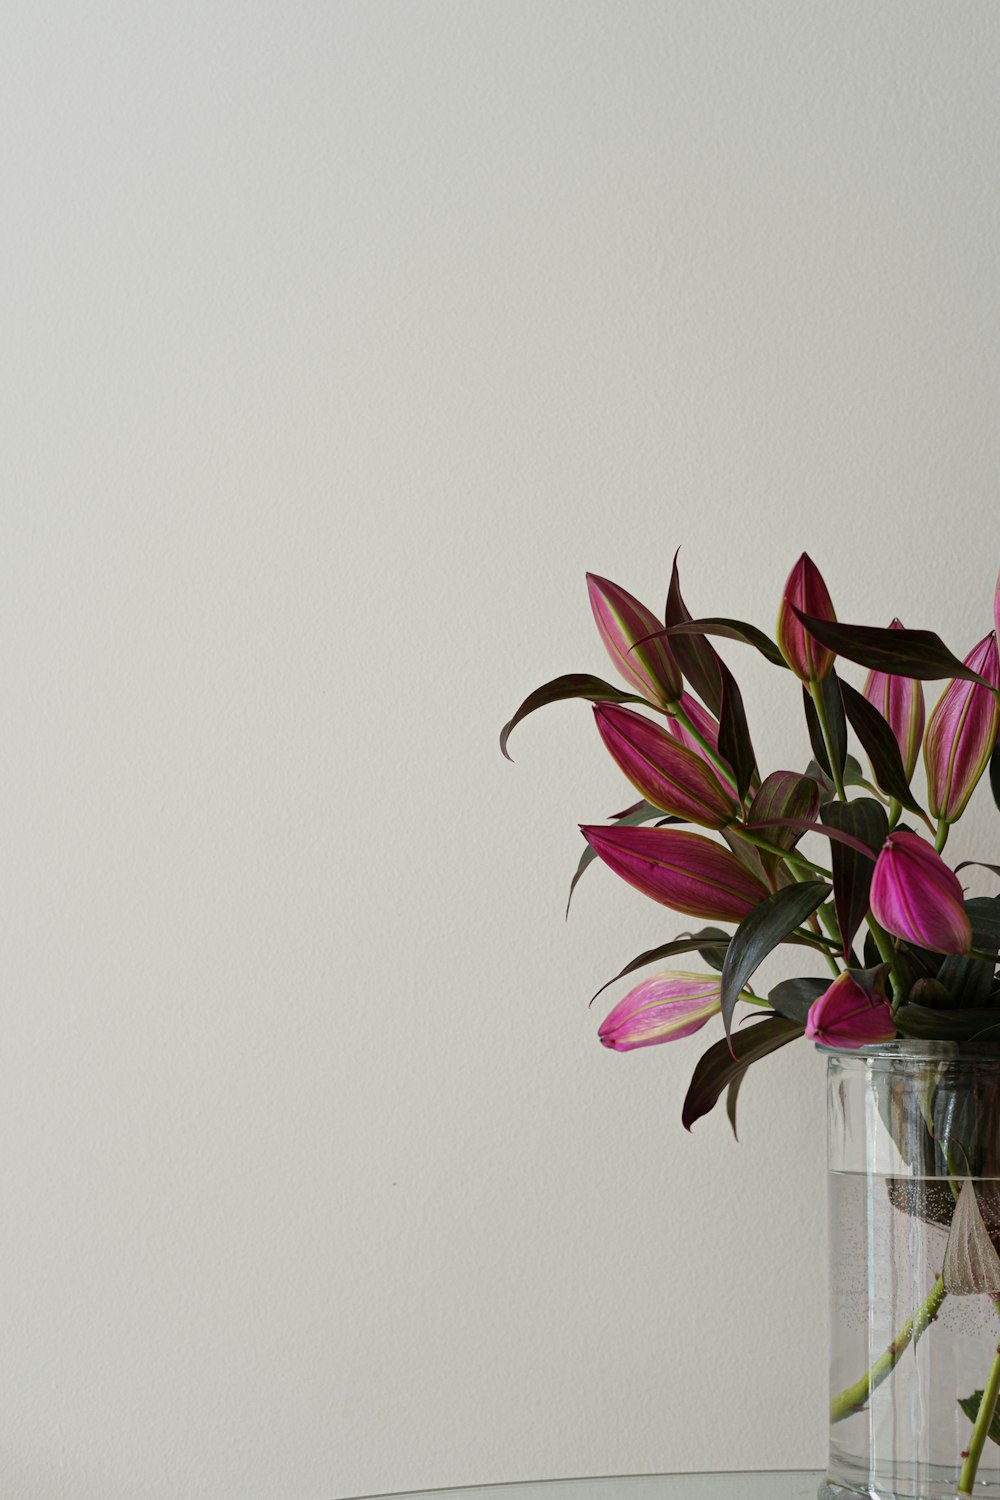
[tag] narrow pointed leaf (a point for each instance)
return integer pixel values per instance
(573, 685)
(833, 834)
(907, 653)
(761, 932)
(735, 744)
(864, 820)
(732, 1094)
(880, 745)
(833, 703)
(640, 812)
(725, 1063)
(697, 659)
(693, 942)
(731, 630)
(977, 864)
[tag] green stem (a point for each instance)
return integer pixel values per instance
(895, 813)
(941, 838)
(889, 956)
(857, 1395)
(696, 734)
(759, 843)
(816, 693)
(980, 1429)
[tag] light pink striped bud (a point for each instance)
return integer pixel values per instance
(663, 1008)
(651, 669)
(961, 734)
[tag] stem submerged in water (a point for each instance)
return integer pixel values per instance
(980, 1430)
(856, 1396)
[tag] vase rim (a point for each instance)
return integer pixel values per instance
(913, 1050)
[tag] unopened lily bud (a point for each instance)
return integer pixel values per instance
(805, 588)
(846, 1015)
(961, 734)
(900, 701)
(685, 871)
(662, 770)
(651, 668)
(663, 1008)
(915, 896)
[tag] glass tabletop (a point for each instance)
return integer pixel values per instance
(771, 1485)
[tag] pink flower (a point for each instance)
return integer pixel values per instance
(663, 1008)
(914, 895)
(650, 669)
(962, 734)
(805, 589)
(666, 773)
(900, 701)
(846, 1015)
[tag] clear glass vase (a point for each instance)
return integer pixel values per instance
(914, 1156)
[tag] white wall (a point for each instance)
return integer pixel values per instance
(339, 341)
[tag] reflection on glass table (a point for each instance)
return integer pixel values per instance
(773, 1485)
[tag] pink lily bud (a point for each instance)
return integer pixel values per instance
(651, 668)
(805, 589)
(916, 896)
(900, 701)
(663, 1008)
(996, 606)
(665, 772)
(961, 734)
(685, 871)
(708, 727)
(846, 1015)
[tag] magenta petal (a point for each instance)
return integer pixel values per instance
(900, 701)
(805, 588)
(663, 1008)
(622, 621)
(685, 871)
(916, 896)
(845, 1015)
(665, 772)
(962, 734)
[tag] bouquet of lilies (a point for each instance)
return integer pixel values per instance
(907, 953)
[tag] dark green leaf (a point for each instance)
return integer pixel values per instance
(977, 864)
(971, 1404)
(735, 745)
(901, 653)
(995, 774)
(865, 820)
(881, 746)
(574, 685)
(698, 660)
(640, 812)
(759, 934)
(784, 794)
(714, 952)
(793, 997)
(731, 630)
(719, 1066)
(970, 980)
(946, 1025)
